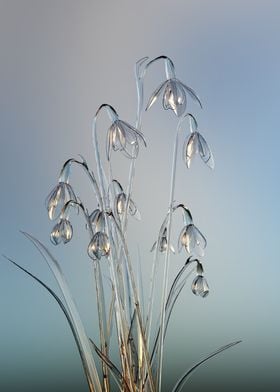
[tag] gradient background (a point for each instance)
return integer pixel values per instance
(59, 61)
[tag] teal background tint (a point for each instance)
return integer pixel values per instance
(59, 61)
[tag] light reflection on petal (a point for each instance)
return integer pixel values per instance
(99, 246)
(200, 286)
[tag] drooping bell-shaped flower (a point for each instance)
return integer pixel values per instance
(97, 219)
(174, 96)
(62, 232)
(192, 239)
(124, 137)
(120, 204)
(58, 197)
(200, 286)
(99, 246)
(163, 243)
(196, 144)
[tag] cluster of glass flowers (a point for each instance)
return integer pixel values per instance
(123, 137)
(139, 326)
(107, 225)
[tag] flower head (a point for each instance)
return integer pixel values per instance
(200, 286)
(174, 96)
(125, 138)
(62, 231)
(58, 197)
(192, 239)
(99, 246)
(196, 144)
(163, 243)
(97, 219)
(120, 204)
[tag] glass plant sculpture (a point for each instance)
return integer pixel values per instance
(140, 341)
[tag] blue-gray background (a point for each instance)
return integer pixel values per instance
(59, 61)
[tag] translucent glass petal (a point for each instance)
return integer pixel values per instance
(54, 201)
(189, 238)
(205, 152)
(181, 239)
(172, 249)
(66, 231)
(190, 148)
(120, 203)
(109, 141)
(97, 220)
(174, 97)
(155, 95)
(69, 193)
(133, 210)
(199, 240)
(193, 240)
(135, 134)
(99, 246)
(180, 98)
(167, 97)
(200, 286)
(55, 234)
(191, 93)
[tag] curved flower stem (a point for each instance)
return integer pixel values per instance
(152, 284)
(139, 77)
(113, 115)
(122, 330)
(169, 66)
(64, 175)
(167, 254)
(140, 105)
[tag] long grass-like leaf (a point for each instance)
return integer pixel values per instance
(172, 297)
(132, 339)
(120, 380)
(92, 375)
(60, 303)
(181, 382)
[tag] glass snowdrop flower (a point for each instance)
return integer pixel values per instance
(120, 203)
(62, 232)
(174, 96)
(97, 220)
(58, 197)
(192, 239)
(123, 137)
(200, 286)
(163, 243)
(196, 144)
(99, 246)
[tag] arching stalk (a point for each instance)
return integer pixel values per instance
(167, 254)
(122, 329)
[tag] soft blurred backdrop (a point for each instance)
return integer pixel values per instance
(60, 59)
